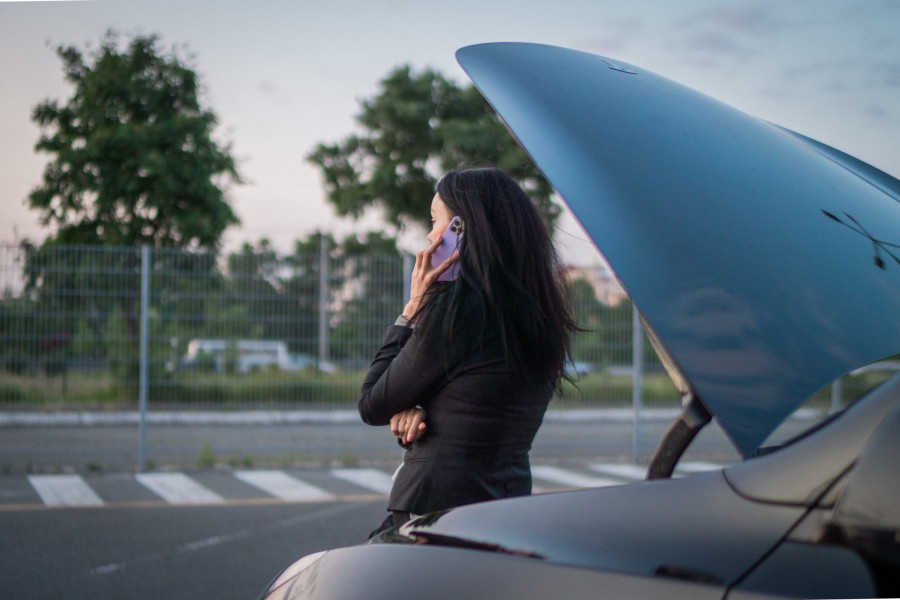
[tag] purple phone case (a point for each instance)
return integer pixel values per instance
(449, 242)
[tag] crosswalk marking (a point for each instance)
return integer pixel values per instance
(697, 467)
(282, 486)
(178, 488)
(371, 479)
(64, 490)
(636, 472)
(570, 478)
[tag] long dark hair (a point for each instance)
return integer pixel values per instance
(510, 279)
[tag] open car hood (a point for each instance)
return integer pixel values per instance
(764, 263)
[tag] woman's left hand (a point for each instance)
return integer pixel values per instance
(409, 425)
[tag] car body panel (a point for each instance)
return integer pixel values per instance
(694, 528)
(799, 472)
(813, 570)
(395, 571)
(733, 237)
(871, 500)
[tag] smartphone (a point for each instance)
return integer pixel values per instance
(450, 241)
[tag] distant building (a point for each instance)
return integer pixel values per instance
(607, 288)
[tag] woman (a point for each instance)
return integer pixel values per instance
(465, 374)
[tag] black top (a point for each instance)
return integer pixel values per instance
(481, 418)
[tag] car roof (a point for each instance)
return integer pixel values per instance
(765, 264)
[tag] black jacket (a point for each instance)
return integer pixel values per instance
(481, 419)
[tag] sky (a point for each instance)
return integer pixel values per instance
(285, 75)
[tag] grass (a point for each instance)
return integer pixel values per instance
(207, 458)
(279, 390)
(70, 389)
(607, 390)
(102, 391)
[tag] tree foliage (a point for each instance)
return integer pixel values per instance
(134, 161)
(606, 337)
(357, 278)
(417, 127)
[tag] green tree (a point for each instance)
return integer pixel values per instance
(415, 128)
(134, 161)
(374, 265)
(606, 335)
(255, 286)
(302, 290)
(363, 278)
(281, 296)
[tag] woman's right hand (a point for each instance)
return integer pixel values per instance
(424, 276)
(409, 425)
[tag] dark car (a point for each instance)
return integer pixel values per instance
(765, 265)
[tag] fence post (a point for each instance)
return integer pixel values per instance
(323, 299)
(637, 382)
(407, 277)
(144, 359)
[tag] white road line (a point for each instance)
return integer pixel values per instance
(64, 490)
(371, 479)
(282, 486)
(570, 478)
(177, 488)
(635, 472)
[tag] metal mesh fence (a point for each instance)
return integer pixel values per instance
(178, 343)
(251, 330)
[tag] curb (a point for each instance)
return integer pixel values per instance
(308, 417)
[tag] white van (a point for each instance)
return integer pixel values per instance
(248, 355)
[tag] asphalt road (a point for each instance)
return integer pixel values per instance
(213, 533)
(135, 545)
(170, 553)
(114, 448)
